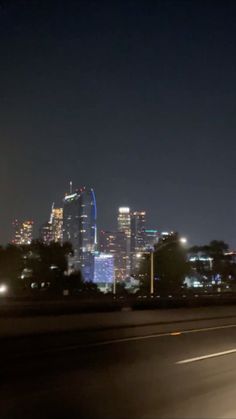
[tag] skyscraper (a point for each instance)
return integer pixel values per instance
(16, 238)
(124, 220)
(79, 228)
(23, 232)
(56, 221)
(107, 242)
(138, 223)
(151, 238)
(123, 242)
(45, 233)
(115, 243)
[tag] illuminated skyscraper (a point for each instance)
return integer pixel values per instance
(16, 239)
(123, 260)
(56, 221)
(151, 238)
(107, 242)
(79, 228)
(115, 243)
(23, 232)
(138, 223)
(124, 220)
(45, 233)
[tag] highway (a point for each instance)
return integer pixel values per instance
(185, 370)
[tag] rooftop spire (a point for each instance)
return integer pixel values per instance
(71, 187)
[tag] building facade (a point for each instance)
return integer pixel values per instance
(123, 260)
(104, 271)
(138, 224)
(151, 238)
(56, 221)
(80, 229)
(45, 233)
(22, 232)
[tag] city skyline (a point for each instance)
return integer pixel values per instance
(38, 230)
(136, 99)
(52, 230)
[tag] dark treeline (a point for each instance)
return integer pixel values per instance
(212, 265)
(37, 267)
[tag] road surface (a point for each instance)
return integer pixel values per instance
(185, 370)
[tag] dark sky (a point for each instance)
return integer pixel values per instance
(134, 98)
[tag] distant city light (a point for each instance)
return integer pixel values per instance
(124, 210)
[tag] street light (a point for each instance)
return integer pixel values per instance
(3, 289)
(152, 273)
(183, 240)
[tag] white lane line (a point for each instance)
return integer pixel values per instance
(144, 337)
(129, 339)
(201, 358)
(157, 335)
(137, 338)
(208, 329)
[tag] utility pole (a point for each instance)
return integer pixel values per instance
(152, 273)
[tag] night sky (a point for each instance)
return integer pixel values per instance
(134, 98)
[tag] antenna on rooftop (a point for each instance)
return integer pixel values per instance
(71, 187)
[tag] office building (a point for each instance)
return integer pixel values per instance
(45, 233)
(79, 228)
(23, 232)
(124, 220)
(56, 221)
(151, 238)
(104, 271)
(138, 225)
(107, 242)
(115, 243)
(16, 237)
(123, 262)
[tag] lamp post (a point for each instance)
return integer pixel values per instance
(152, 273)
(151, 253)
(114, 285)
(182, 240)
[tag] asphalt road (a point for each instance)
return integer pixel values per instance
(178, 372)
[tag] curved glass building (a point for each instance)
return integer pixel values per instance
(80, 229)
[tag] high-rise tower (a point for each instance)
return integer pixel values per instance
(23, 232)
(56, 221)
(124, 239)
(79, 228)
(138, 224)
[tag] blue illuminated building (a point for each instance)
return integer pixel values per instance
(104, 269)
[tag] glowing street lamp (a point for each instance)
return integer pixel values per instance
(3, 289)
(183, 240)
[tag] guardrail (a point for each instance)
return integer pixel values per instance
(69, 305)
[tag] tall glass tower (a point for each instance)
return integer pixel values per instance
(80, 229)
(138, 225)
(124, 229)
(138, 222)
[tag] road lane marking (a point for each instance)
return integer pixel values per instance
(156, 335)
(128, 339)
(201, 358)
